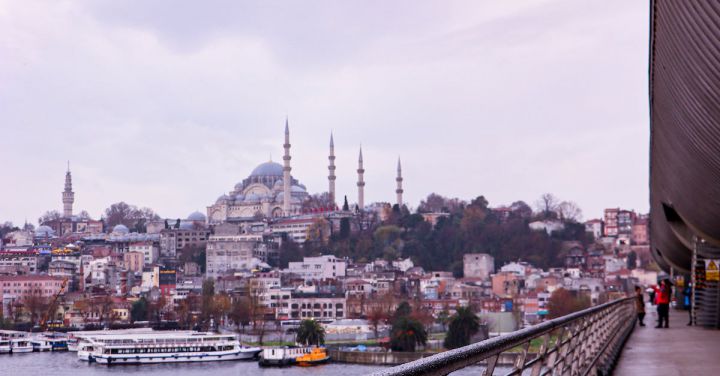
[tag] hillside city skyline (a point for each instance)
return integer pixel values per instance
(157, 109)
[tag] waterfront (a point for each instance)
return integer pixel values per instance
(67, 364)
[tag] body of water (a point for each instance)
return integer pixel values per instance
(67, 364)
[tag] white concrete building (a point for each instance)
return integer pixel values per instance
(318, 268)
(478, 265)
(150, 251)
(230, 253)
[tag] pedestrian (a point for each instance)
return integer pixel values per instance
(640, 305)
(663, 294)
(687, 294)
(652, 296)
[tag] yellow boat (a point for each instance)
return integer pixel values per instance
(317, 355)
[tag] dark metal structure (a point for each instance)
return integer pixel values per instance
(684, 129)
(587, 342)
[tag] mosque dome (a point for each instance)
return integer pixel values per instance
(196, 216)
(222, 199)
(278, 183)
(268, 169)
(252, 197)
(44, 231)
(120, 229)
(297, 188)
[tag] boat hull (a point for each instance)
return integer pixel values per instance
(310, 363)
(174, 358)
(21, 350)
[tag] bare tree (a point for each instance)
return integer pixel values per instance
(547, 204)
(570, 211)
(49, 216)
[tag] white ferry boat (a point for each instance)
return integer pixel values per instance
(168, 347)
(85, 350)
(41, 344)
(20, 345)
(4, 346)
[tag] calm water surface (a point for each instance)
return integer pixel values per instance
(67, 364)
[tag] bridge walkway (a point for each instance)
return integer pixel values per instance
(678, 350)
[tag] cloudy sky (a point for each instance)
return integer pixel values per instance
(168, 104)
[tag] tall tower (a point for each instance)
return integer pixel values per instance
(361, 182)
(331, 172)
(286, 171)
(68, 196)
(399, 191)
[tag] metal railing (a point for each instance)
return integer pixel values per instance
(582, 343)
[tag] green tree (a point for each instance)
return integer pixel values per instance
(463, 325)
(139, 310)
(310, 333)
(406, 334)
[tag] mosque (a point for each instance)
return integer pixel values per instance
(272, 192)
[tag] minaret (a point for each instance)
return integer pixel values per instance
(286, 171)
(68, 196)
(399, 191)
(331, 172)
(361, 182)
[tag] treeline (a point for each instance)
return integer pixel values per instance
(467, 228)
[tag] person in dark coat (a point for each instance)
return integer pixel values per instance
(640, 305)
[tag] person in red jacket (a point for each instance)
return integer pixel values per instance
(662, 295)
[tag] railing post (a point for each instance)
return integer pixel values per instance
(541, 356)
(492, 361)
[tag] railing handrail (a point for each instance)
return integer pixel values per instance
(480, 351)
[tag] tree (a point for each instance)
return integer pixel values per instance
(207, 308)
(129, 215)
(547, 205)
(310, 333)
(49, 216)
(569, 211)
(562, 303)
(463, 325)
(36, 306)
(139, 310)
(240, 313)
(375, 317)
(407, 334)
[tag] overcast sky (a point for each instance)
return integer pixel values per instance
(168, 104)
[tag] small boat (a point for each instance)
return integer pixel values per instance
(20, 345)
(58, 344)
(84, 351)
(281, 356)
(40, 344)
(4, 346)
(316, 356)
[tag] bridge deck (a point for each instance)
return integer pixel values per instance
(679, 350)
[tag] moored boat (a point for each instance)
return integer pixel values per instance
(168, 347)
(20, 345)
(40, 344)
(284, 356)
(85, 350)
(316, 356)
(4, 346)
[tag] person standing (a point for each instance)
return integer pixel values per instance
(640, 305)
(687, 295)
(663, 294)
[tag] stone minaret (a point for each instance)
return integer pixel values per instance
(68, 196)
(361, 182)
(331, 172)
(399, 191)
(286, 171)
